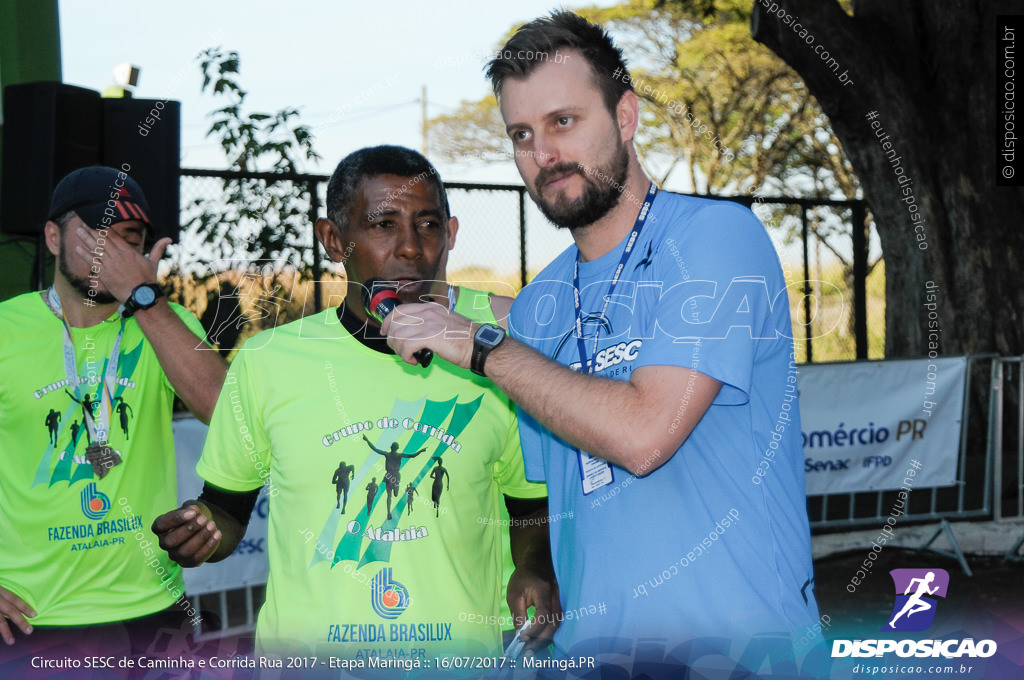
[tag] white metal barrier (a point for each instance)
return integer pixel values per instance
(989, 484)
(1008, 431)
(970, 497)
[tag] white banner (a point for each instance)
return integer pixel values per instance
(248, 564)
(865, 422)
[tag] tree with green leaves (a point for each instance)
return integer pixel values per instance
(256, 227)
(253, 218)
(721, 115)
(719, 109)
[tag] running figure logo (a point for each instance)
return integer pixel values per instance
(392, 466)
(440, 475)
(342, 476)
(123, 410)
(647, 261)
(53, 425)
(915, 611)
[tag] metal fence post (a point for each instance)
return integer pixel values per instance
(522, 237)
(860, 275)
(314, 213)
(807, 284)
(995, 435)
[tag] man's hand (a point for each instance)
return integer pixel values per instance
(17, 610)
(188, 534)
(527, 588)
(413, 326)
(121, 266)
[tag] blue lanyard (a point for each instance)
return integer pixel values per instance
(587, 361)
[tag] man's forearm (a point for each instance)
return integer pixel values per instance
(594, 414)
(533, 582)
(637, 424)
(196, 374)
(529, 543)
(231, 531)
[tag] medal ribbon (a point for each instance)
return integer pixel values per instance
(100, 428)
(594, 472)
(587, 361)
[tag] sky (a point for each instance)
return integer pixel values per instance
(316, 56)
(319, 57)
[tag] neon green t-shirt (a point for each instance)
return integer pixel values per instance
(442, 446)
(77, 548)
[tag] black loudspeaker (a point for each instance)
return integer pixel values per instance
(150, 150)
(50, 129)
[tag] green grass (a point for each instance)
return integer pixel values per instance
(832, 336)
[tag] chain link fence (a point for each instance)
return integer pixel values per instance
(221, 272)
(829, 269)
(232, 222)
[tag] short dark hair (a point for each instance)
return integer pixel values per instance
(536, 42)
(372, 162)
(63, 219)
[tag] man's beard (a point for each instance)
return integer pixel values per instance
(79, 283)
(603, 186)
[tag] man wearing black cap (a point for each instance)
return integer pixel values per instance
(73, 509)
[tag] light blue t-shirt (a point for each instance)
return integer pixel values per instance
(715, 543)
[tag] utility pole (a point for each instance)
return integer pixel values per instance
(423, 116)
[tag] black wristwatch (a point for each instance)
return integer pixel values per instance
(143, 296)
(487, 337)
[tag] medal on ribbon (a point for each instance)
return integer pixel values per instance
(96, 409)
(102, 458)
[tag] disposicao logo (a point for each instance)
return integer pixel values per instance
(388, 597)
(95, 504)
(914, 610)
(916, 590)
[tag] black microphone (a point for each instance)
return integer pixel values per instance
(380, 299)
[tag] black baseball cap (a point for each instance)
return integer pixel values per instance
(101, 196)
